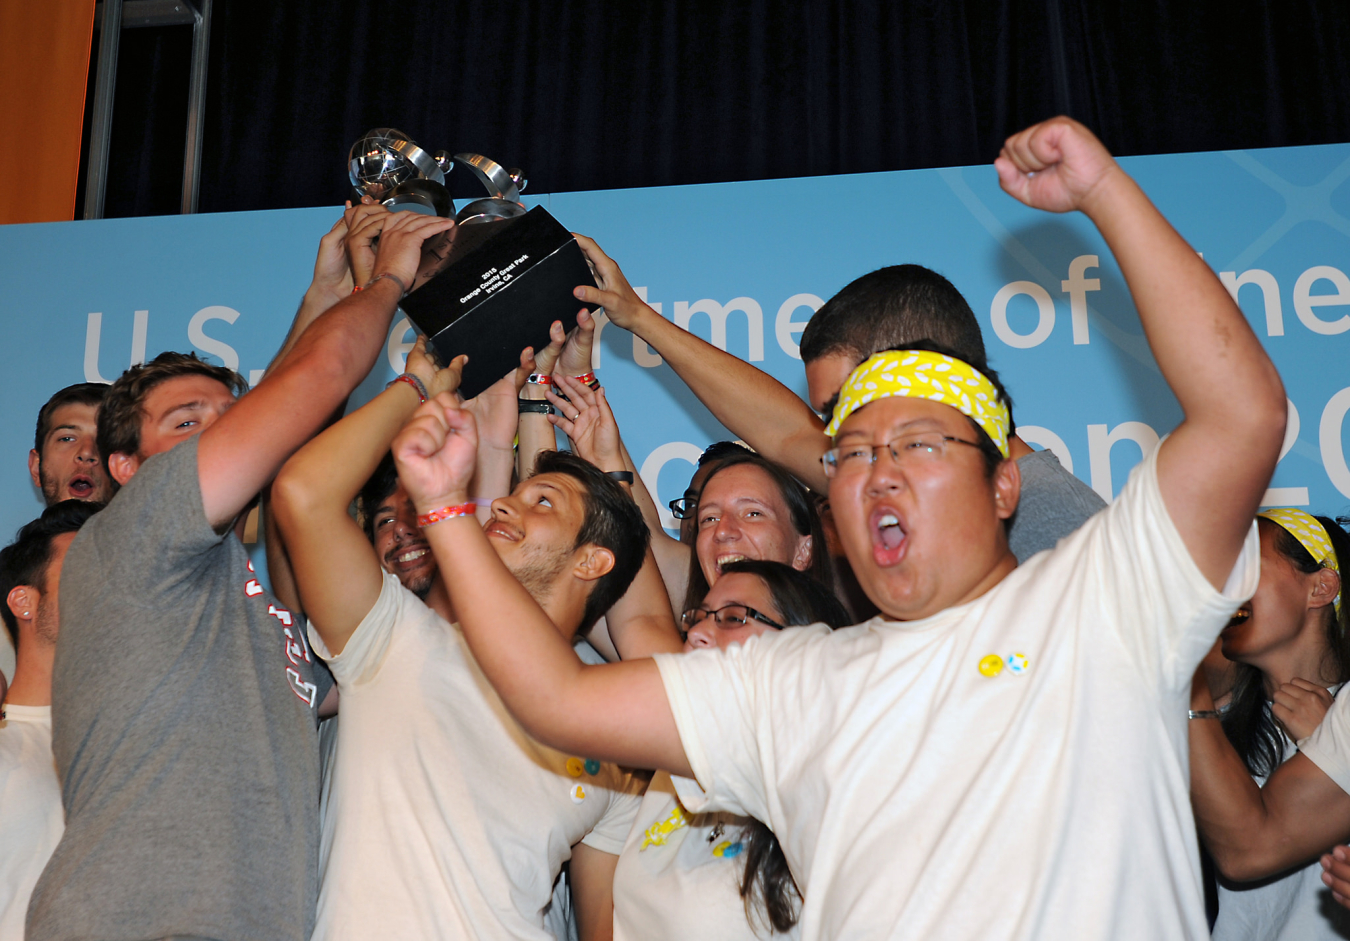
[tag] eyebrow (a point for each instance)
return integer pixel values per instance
(827, 410)
(183, 407)
(65, 427)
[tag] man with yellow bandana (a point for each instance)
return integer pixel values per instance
(1002, 753)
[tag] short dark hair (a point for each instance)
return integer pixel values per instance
(801, 511)
(720, 450)
(893, 307)
(119, 420)
(375, 491)
(24, 561)
(82, 393)
(613, 521)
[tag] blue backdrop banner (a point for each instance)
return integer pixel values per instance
(744, 265)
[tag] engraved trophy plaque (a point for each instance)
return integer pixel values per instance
(493, 284)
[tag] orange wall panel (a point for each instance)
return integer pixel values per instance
(44, 70)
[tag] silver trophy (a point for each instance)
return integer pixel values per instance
(388, 166)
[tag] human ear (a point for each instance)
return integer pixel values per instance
(1007, 488)
(801, 559)
(22, 601)
(35, 467)
(595, 562)
(123, 466)
(1326, 586)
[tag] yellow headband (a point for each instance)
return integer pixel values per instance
(923, 375)
(1310, 534)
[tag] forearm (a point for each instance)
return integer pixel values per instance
(1230, 811)
(536, 436)
(492, 477)
(334, 465)
(617, 712)
(344, 340)
(753, 405)
(640, 623)
(316, 301)
(1206, 350)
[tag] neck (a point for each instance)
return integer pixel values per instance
(1018, 449)
(1305, 658)
(565, 606)
(32, 684)
(438, 600)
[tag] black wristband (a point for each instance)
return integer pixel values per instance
(533, 406)
(623, 477)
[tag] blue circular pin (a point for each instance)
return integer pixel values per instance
(592, 766)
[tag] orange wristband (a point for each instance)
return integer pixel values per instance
(446, 512)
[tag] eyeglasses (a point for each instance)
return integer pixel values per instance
(906, 450)
(728, 616)
(685, 507)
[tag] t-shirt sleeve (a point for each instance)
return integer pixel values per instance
(154, 538)
(712, 695)
(1143, 584)
(365, 652)
(611, 831)
(1328, 746)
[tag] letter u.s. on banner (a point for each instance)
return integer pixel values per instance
(744, 265)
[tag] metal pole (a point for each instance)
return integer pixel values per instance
(96, 178)
(201, 53)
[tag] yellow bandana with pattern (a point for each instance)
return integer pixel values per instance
(1310, 534)
(921, 374)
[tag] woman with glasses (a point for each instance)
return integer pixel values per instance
(1290, 655)
(751, 508)
(718, 876)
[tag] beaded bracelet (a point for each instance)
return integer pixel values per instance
(413, 381)
(447, 512)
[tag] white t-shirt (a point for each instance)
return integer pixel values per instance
(31, 818)
(679, 875)
(1014, 767)
(1295, 906)
(445, 820)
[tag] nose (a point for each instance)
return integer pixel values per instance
(726, 529)
(88, 451)
(884, 476)
(701, 634)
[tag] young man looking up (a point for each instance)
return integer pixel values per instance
(445, 819)
(64, 462)
(184, 697)
(891, 307)
(1003, 754)
(30, 796)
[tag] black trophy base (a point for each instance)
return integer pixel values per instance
(501, 296)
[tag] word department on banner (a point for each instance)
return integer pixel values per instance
(744, 265)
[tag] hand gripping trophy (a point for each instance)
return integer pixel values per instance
(461, 300)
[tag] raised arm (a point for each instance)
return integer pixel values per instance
(1254, 832)
(755, 406)
(1215, 466)
(616, 712)
(641, 622)
(335, 567)
(245, 448)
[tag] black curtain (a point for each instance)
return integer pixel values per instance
(592, 94)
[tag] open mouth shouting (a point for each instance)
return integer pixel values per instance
(80, 487)
(889, 541)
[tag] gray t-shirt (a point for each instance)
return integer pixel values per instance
(1054, 503)
(184, 703)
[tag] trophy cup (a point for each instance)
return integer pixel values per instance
(494, 283)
